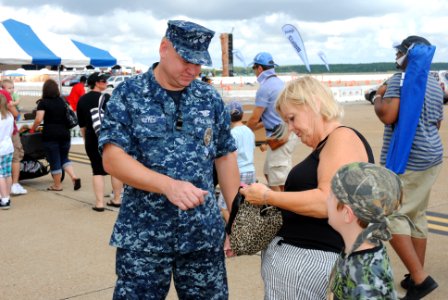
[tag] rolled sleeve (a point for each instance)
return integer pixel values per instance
(225, 141)
(393, 86)
(116, 123)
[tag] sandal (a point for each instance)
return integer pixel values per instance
(76, 184)
(111, 203)
(98, 209)
(53, 189)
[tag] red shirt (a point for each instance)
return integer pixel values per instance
(9, 99)
(76, 92)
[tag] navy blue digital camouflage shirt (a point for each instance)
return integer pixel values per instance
(180, 141)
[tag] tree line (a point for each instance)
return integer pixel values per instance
(334, 68)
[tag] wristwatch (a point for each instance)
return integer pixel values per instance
(376, 96)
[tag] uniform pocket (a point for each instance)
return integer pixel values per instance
(152, 143)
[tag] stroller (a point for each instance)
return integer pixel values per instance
(34, 163)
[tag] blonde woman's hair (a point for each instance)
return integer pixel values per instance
(3, 106)
(310, 91)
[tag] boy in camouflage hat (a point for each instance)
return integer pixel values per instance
(364, 197)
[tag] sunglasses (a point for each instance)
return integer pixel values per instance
(255, 67)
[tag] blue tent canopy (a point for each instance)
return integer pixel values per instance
(98, 57)
(22, 45)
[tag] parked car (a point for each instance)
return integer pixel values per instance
(113, 81)
(441, 76)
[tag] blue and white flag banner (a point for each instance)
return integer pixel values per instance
(240, 56)
(323, 57)
(293, 35)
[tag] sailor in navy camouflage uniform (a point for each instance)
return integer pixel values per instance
(161, 134)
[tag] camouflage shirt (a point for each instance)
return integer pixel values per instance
(182, 143)
(364, 274)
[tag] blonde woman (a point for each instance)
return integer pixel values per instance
(298, 262)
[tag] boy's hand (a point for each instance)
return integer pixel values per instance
(227, 250)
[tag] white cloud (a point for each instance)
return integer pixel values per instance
(348, 32)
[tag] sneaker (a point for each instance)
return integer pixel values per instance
(421, 290)
(5, 206)
(17, 189)
(406, 282)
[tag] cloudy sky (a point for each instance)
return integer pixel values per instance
(352, 31)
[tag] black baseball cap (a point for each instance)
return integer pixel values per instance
(95, 77)
(407, 42)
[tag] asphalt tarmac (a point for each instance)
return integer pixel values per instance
(54, 246)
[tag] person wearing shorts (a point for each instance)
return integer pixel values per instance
(420, 157)
(6, 149)
(278, 161)
(16, 188)
(87, 102)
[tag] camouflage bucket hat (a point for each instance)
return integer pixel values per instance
(191, 41)
(373, 193)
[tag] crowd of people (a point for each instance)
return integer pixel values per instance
(51, 122)
(174, 131)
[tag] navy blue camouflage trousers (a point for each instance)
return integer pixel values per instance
(146, 275)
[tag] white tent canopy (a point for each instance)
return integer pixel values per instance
(22, 45)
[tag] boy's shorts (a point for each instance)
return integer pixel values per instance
(5, 165)
(246, 178)
(18, 149)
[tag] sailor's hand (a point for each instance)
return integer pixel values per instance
(185, 195)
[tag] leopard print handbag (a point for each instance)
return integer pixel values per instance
(251, 228)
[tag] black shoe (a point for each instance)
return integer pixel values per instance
(5, 206)
(419, 291)
(406, 282)
(98, 209)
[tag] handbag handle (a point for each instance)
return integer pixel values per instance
(239, 198)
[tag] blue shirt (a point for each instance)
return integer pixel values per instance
(245, 143)
(270, 88)
(427, 149)
(181, 143)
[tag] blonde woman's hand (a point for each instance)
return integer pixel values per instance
(255, 193)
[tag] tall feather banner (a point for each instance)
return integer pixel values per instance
(293, 35)
(322, 56)
(240, 56)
